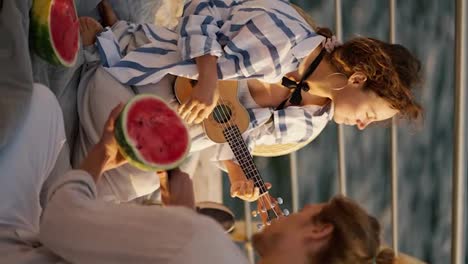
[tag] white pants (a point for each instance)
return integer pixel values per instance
(15, 74)
(25, 164)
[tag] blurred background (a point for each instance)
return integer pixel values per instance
(427, 28)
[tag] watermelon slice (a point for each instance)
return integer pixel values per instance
(151, 135)
(55, 31)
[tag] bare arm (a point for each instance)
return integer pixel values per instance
(235, 172)
(241, 186)
(206, 66)
(205, 94)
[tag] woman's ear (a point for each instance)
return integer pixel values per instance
(358, 78)
(320, 231)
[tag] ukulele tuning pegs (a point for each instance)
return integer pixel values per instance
(260, 226)
(286, 212)
(279, 200)
(255, 213)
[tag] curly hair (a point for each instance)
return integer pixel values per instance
(392, 71)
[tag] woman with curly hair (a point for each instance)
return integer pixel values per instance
(293, 78)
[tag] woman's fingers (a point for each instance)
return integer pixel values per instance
(199, 114)
(249, 190)
(256, 193)
(180, 109)
(195, 113)
(245, 190)
(238, 189)
(204, 113)
(234, 190)
(201, 117)
(186, 108)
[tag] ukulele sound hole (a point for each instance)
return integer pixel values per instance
(222, 114)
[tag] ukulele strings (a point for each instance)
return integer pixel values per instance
(226, 126)
(227, 118)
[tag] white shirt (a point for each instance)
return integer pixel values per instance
(83, 229)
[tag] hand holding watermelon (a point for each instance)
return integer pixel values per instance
(105, 154)
(109, 143)
(177, 188)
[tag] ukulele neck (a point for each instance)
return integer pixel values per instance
(243, 156)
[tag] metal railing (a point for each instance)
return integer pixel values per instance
(394, 143)
(294, 182)
(340, 131)
(459, 149)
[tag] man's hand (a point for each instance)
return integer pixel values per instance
(177, 189)
(109, 143)
(105, 154)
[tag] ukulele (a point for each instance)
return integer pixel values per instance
(226, 123)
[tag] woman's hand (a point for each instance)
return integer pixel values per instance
(202, 101)
(205, 94)
(246, 190)
(241, 187)
(105, 154)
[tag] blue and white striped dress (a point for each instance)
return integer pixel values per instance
(293, 124)
(262, 39)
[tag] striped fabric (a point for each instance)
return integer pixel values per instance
(292, 124)
(263, 39)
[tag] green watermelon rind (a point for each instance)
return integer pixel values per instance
(129, 151)
(42, 39)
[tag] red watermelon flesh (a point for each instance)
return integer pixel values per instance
(151, 135)
(64, 29)
(55, 31)
(159, 140)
